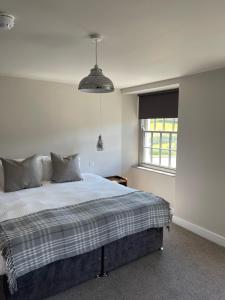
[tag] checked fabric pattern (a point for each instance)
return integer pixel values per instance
(33, 241)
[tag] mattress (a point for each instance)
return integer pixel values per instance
(50, 195)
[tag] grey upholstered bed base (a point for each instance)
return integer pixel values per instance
(61, 275)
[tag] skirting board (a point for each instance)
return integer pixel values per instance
(207, 234)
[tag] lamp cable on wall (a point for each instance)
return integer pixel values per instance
(100, 146)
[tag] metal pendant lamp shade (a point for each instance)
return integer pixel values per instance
(96, 82)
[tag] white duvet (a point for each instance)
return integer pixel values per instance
(21, 203)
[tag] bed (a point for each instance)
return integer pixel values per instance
(128, 239)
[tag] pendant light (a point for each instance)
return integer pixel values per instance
(96, 82)
(6, 21)
(99, 145)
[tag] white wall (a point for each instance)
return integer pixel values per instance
(39, 117)
(129, 133)
(200, 185)
(160, 184)
(200, 177)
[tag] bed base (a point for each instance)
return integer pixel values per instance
(64, 274)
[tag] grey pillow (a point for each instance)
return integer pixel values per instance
(65, 169)
(20, 175)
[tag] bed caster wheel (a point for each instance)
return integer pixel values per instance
(161, 249)
(102, 275)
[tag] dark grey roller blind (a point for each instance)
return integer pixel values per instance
(163, 104)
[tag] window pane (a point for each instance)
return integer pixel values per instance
(155, 156)
(156, 140)
(159, 124)
(152, 124)
(168, 124)
(165, 141)
(165, 158)
(173, 159)
(147, 139)
(174, 141)
(175, 125)
(159, 148)
(147, 156)
(146, 123)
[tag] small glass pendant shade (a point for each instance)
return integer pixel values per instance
(99, 145)
(96, 82)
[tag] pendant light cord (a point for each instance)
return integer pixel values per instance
(96, 52)
(100, 110)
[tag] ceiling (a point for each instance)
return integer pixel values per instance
(144, 40)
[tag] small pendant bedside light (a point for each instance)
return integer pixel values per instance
(100, 146)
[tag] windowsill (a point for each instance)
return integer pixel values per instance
(155, 170)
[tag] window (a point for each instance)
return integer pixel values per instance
(158, 115)
(158, 144)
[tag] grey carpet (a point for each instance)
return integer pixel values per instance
(190, 267)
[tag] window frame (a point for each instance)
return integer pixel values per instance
(142, 147)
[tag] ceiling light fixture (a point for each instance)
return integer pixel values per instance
(6, 21)
(96, 82)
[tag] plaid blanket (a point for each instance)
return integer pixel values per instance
(33, 241)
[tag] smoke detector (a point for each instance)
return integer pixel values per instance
(6, 21)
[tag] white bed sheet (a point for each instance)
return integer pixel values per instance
(24, 202)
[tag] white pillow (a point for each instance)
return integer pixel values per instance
(1, 177)
(46, 168)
